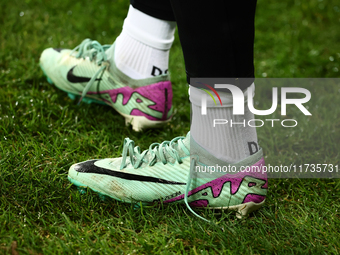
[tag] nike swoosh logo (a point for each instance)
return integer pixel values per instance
(90, 167)
(71, 77)
(58, 49)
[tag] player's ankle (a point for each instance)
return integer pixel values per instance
(142, 49)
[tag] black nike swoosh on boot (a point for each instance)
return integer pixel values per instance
(58, 49)
(90, 167)
(71, 77)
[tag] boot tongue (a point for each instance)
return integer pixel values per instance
(186, 141)
(175, 146)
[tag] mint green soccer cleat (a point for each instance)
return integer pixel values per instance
(84, 73)
(173, 172)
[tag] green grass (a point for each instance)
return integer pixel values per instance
(43, 132)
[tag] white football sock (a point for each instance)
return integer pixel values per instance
(142, 48)
(228, 143)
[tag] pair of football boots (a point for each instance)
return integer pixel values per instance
(170, 172)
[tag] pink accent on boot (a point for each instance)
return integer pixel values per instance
(160, 93)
